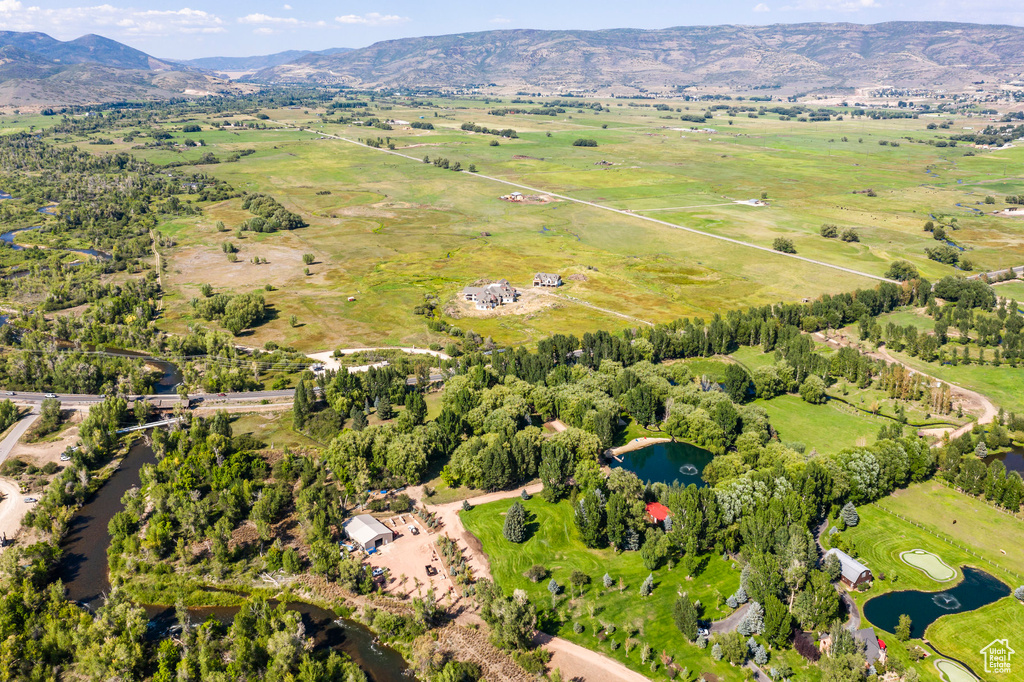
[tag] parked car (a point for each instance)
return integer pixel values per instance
(30, 500)
(377, 572)
(65, 458)
(413, 529)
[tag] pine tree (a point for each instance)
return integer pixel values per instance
(685, 616)
(850, 515)
(716, 652)
(384, 409)
(300, 407)
(608, 582)
(358, 418)
(647, 586)
(515, 523)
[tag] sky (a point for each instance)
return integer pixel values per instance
(186, 29)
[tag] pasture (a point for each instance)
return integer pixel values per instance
(391, 230)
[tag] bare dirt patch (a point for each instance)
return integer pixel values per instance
(198, 265)
(529, 301)
(40, 454)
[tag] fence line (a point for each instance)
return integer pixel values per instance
(949, 541)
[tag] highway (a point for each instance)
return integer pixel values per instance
(72, 400)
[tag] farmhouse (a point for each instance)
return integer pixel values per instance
(491, 295)
(367, 532)
(546, 279)
(854, 573)
(656, 513)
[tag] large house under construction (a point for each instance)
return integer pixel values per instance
(491, 295)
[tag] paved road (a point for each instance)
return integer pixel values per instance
(629, 214)
(731, 622)
(69, 400)
(13, 505)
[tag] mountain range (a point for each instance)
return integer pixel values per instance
(793, 57)
(258, 62)
(36, 69)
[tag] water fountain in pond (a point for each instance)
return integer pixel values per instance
(946, 601)
(689, 470)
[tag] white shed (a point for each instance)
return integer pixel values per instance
(367, 532)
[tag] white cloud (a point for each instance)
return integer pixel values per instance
(266, 19)
(761, 7)
(287, 7)
(264, 31)
(500, 20)
(371, 19)
(74, 21)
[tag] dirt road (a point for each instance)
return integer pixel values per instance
(579, 663)
(972, 401)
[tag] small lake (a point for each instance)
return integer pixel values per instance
(1013, 459)
(977, 589)
(666, 463)
(83, 570)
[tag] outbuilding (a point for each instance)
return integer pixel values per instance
(367, 532)
(854, 573)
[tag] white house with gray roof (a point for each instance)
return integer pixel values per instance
(491, 295)
(547, 279)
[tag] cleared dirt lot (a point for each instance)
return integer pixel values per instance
(407, 557)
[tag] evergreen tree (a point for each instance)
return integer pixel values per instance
(753, 621)
(590, 520)
(685, 616)
(300, 407)
(778, 623)
(608, 582)
(850, 515)
(716, 652)
(647, 586)
(358, 418)
(515, 523)
(416, 407)
(833, 567)
(384, 409)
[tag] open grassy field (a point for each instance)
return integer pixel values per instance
(993, 536)
(392, 230)
(555, 544)
(1011, 290)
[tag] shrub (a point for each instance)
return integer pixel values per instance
(850, 235)
(784, 245)
(577, 627)
(582, 142)
(829, 231)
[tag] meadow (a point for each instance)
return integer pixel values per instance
(393, 230)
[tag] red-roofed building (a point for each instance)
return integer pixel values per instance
(657, 512)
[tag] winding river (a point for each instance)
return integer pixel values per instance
(8, 237)
(83, 569)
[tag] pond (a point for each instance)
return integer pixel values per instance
(1013, 459)
(666, 463)
(83, 569)
(977, 589)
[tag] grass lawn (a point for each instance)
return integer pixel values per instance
(799, 421)
(1011, 290)
(555, 544)
(880, 538)
(273, 428)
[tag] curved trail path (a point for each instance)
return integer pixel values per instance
(13, 505)
(971, 399)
